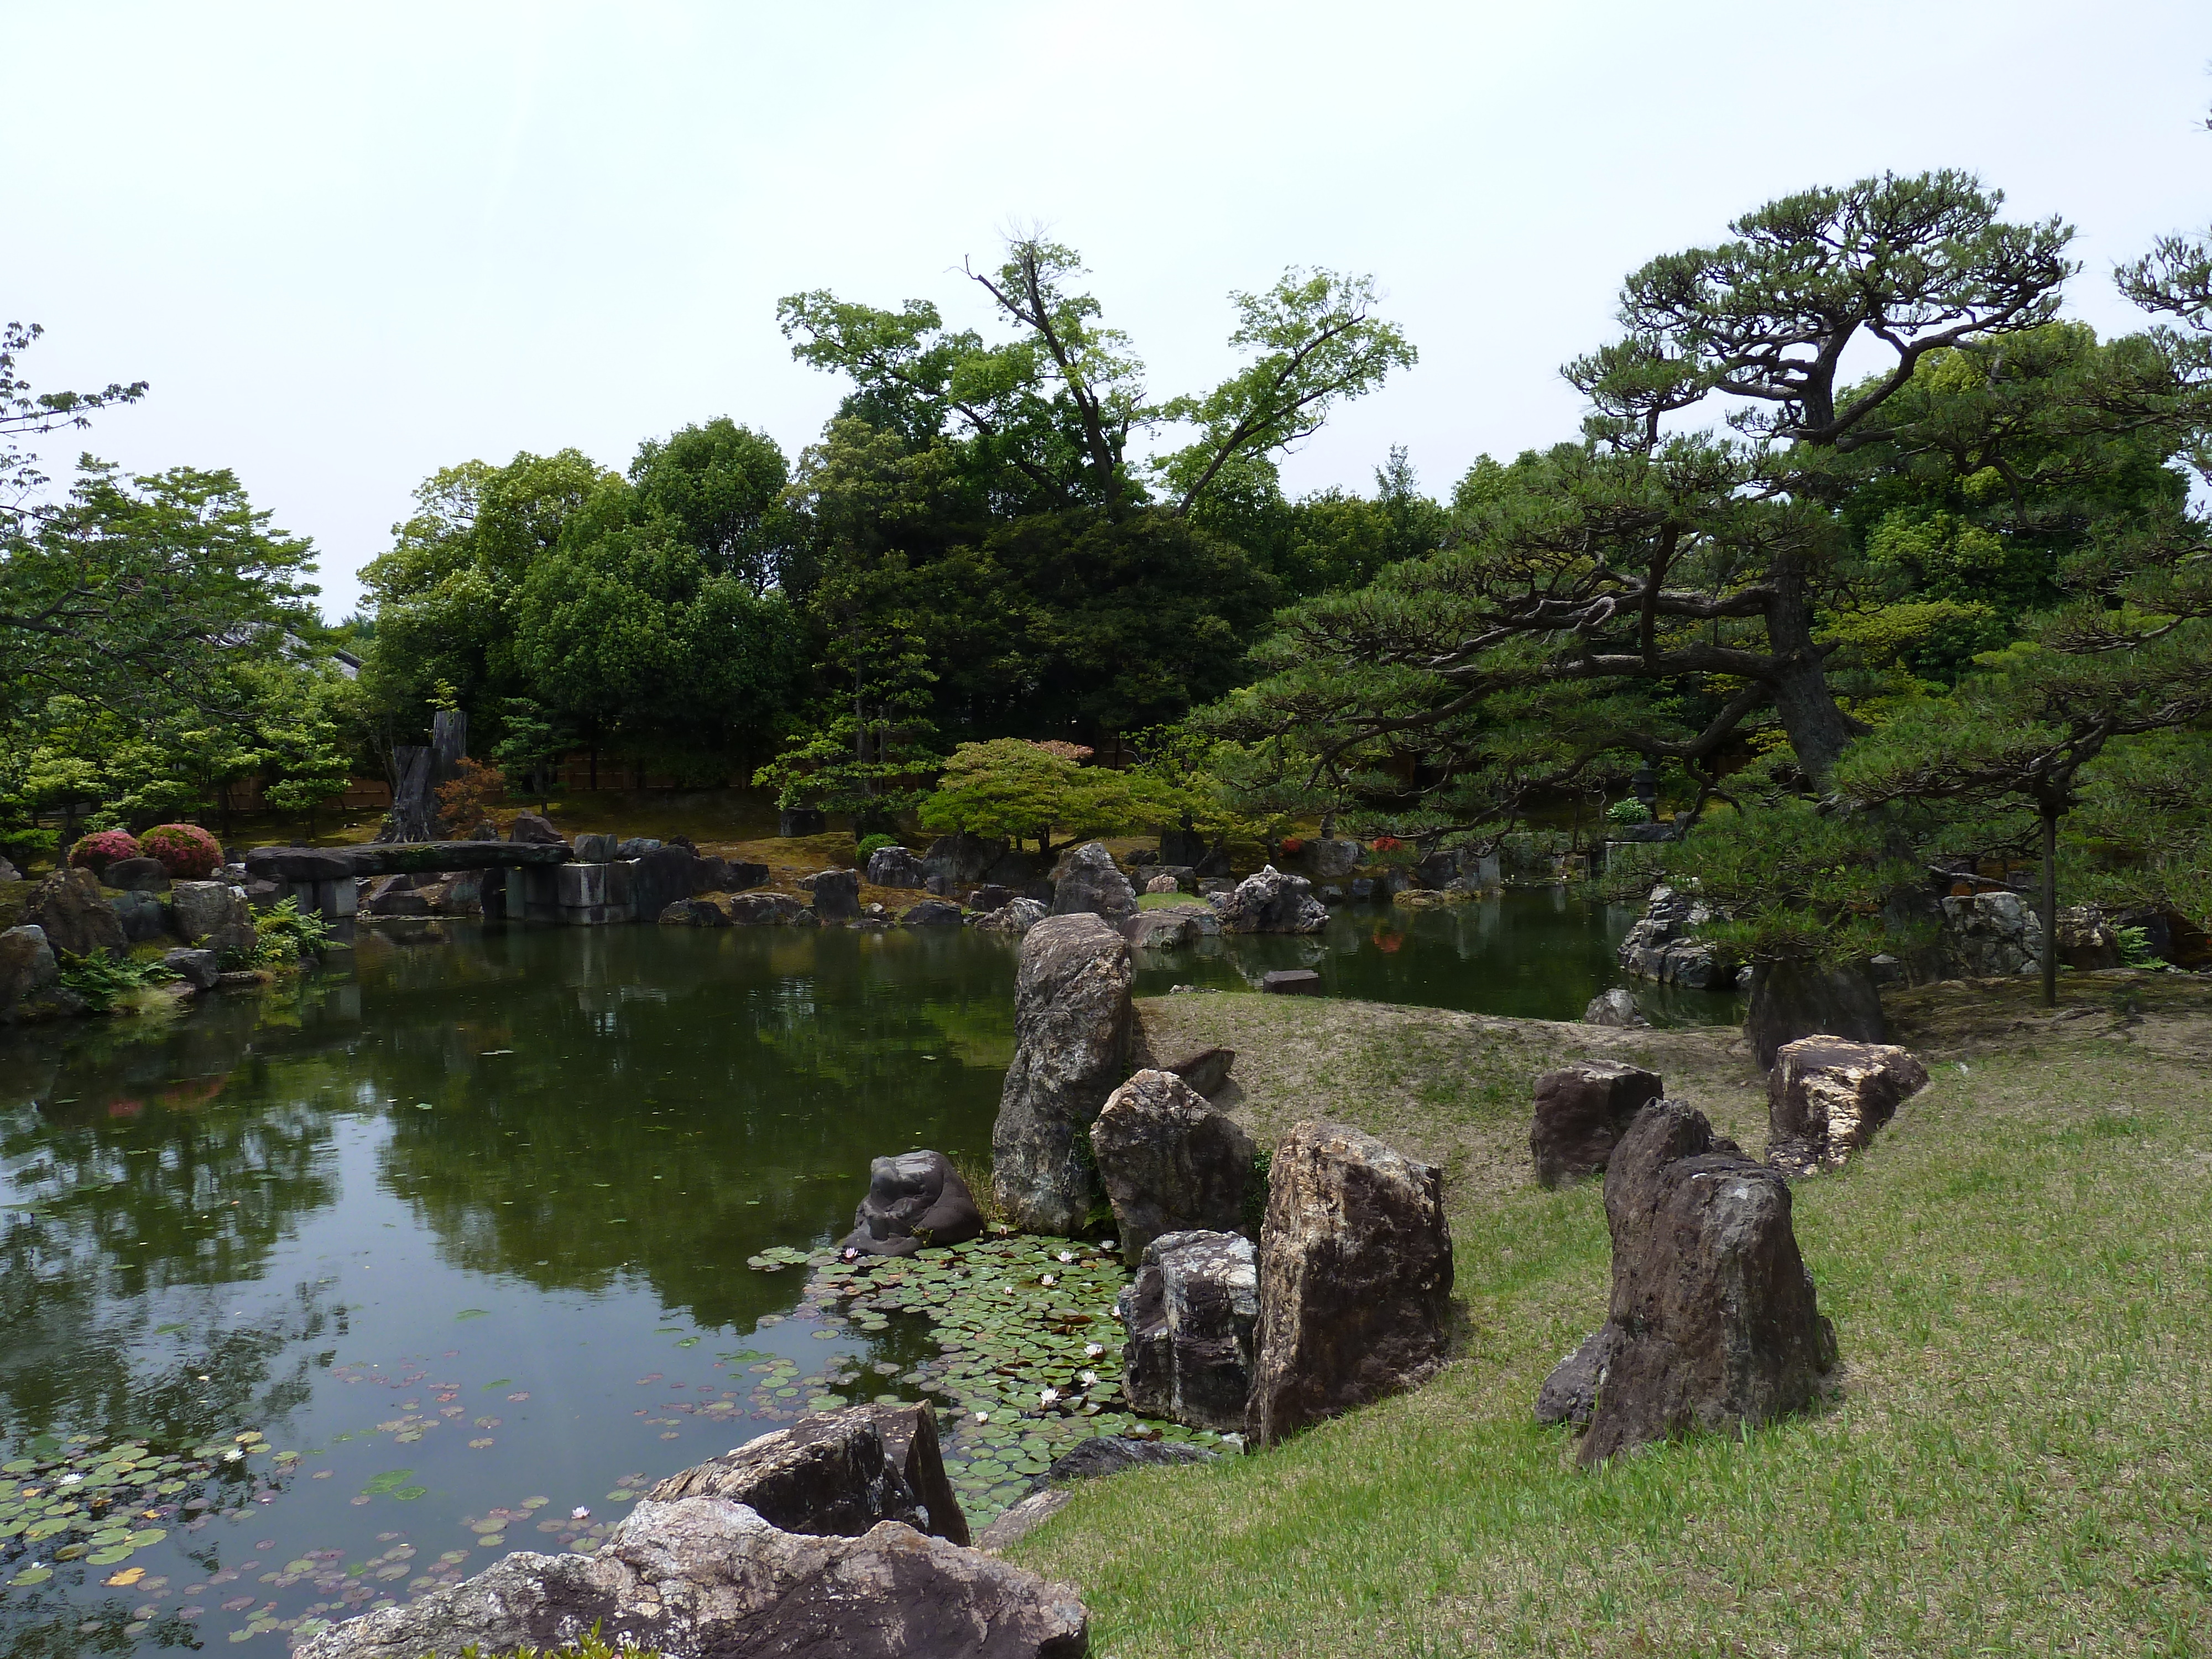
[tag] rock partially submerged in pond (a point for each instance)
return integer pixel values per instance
(914, 1200)
(836, 1473)
(1271, 901)
(1171, 925)
(1582, 1112)
(213, 913)
(1827, 1097)
(198, 968)
(705, 1575)
(1717, 1320)
(1168, 1162)
(1355, 1278)
(1015, 916)
(1614, 1007)
(708, 910)
(1190, 1318)
(1071, 1027)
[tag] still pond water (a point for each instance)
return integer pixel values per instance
(341, 1290)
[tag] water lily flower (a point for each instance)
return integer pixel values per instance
(1048, 1281)
(580, 1513)
(982, 1417)
(1049, 1397)
(1067, 1256)
(68, 1480)
(852, 1255)
(1092, 1350)
(1089, 1379)
(232, 1455)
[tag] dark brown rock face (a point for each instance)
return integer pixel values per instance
(1792, 999)
(1168, 1162)
(1190, 1318)
(77, 918)
(911, 1446)
(1825, 1097)
(914, 1199)
(1717, 1320)
(1355, 1278)
(709, 1575)
(1582, 1112)
(1071, 1048)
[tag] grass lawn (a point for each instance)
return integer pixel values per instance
(2021, 1461)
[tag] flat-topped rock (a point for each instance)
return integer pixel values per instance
(1827, 1096)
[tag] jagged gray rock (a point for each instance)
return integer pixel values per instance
(1190, 1318)
(709, 1575)
(1616, 1007)
(1168, 1162)
(1087, 882)
(1659, 946)
(896, 866)
(1991, 936)
(1015, 916)
(1271, 901)
(1072, 1024)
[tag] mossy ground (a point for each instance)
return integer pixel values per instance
(2019, 1462)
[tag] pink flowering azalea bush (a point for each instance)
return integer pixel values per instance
(187, 852)
(97, 851)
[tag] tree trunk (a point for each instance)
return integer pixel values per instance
(2050, 908)
(1817, 728)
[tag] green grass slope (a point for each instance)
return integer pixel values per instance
(2018, 1462)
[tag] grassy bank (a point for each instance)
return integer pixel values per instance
(2019, 1462)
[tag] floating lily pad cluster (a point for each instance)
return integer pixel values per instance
(99, 1501)
(1031, 1352)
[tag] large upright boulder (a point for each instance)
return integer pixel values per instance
(896, 866)
(1715, 1323)
(837, 894)
(1169, 1162)
(962, 859)
(1190, 1317)
(1087, 882)
(1271, 901)
(1990, 936)
(75, 915)
(1582, 1112)
(1071, 1021)
(1355, 1278)
(1825, 1097)
(664, 876)
(1331, 858)
(915, 1200)
(1791, 998)
(710, 1575)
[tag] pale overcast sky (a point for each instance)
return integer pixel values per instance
(350, 246)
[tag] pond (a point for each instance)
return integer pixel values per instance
(345, 1289)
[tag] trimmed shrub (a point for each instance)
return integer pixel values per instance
(187, 852)
(870, 843)
(97, 851)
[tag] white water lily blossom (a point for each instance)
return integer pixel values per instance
(1048, 1281)
(1067, 1256)
(1092, 1350)
(580, 1513)
(1049, 1397)
(1089, 1379)
(982, 1417)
